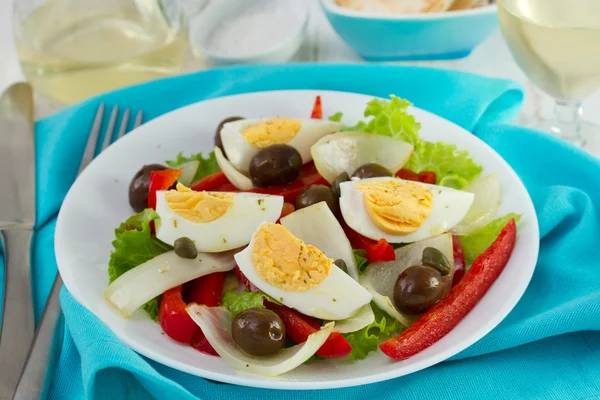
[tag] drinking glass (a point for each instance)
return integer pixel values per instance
(73, 49)
(557, 45)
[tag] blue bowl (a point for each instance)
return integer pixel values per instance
(427, 36)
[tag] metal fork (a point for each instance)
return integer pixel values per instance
(43, 354)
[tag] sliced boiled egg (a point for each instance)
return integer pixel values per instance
(401, 211)
(299, 275)
(244, 138)
(215, 221)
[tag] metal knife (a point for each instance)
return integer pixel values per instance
(17, 218)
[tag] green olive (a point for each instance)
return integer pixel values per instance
(335, 186)
(434, 258)
(417, 289)
(258, 331)
(185, 248)
(315, 194)
(371, 170)
(341, 264)
(275, 165)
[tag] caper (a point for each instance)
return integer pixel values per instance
(335, 186)
(341, 264)
(185, 248)
(434, 258)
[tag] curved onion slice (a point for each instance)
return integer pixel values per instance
(316, 225)
(485, 205)
(188, 172)
(363, 317)
(346, 151)
(234, 176)
(152, 278)
(215, 323)
(380, 278)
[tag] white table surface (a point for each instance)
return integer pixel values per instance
(491, 58)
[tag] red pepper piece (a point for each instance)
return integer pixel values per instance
(207, 289)
(317, 112)
(245, 281)
(173, 317)
(445, 315)
(459, 260)
(200, 343)
(407, 175)
(427, 177)
(216, 182)
(299, 327)
(376, 251)
(161, 180)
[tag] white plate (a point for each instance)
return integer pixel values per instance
(98, 202)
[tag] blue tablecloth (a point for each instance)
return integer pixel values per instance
(548, 347)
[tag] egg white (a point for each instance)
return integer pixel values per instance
(449, 207)
(240, 152)
(337, 297)
(233, 230)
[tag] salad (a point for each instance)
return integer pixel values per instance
(302, 239)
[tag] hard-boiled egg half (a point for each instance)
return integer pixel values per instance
(401, 211)
(299, 275)
(215, 221)
(244, 138)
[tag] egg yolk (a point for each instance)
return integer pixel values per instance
(198, 206)
(396, 207)
(287, 262)
(273, 131)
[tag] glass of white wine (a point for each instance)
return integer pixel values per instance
(73, 49)
(557, 45)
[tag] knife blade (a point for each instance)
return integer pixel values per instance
(17, 218)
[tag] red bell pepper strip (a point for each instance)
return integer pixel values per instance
(407, 175)
(173, 317)
(299, 327)
(317, 112)
(427, 177)
(200, 343)
(459, 260)
(445, 315)
(216, 182)
(376, 250)
(245, 281)
(207, 289)
(161, 180)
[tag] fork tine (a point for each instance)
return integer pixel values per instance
(123, 127)
(90, 147)
(110, 128)
(138, 119)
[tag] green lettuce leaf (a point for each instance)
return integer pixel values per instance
(360, 256)
(476, 243)
(368, 338)
(337, 117)
(236, 303)
(208, 165)
(134, 245)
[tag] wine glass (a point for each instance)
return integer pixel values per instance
(73, 49)
(557, 45)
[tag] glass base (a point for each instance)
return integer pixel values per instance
(587, 137)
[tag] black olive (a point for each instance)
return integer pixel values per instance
(335, 186)
(434, 258)
(371, 170)
(417, 289)
(218, 140)
(315, 194)
(258, 331)
(341, 265)
(275, 165)
(138, 188)
(185, 248)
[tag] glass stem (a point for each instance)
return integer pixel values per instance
(568, 117)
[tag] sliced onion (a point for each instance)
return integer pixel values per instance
(380, 278)
(234, 176)
(152, 278)
(188, 172)
(346, 151)
(316, 225)
(363, 317)
(216, 322)
(485, 205)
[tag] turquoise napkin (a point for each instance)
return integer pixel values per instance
(547, 347)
